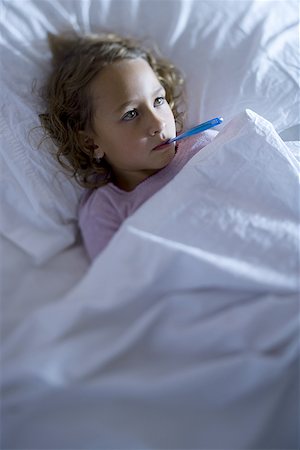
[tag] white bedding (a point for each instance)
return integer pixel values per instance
(200, 332)
(234, 54)
(184, 332)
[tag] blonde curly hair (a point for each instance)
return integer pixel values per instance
(76, 60)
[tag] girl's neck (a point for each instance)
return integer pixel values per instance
(129, 182)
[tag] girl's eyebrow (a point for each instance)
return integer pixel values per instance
(130, 102)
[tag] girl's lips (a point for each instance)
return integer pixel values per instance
(161, 146)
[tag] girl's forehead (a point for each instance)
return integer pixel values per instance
(124, 77)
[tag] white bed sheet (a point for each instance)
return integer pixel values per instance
(158, 360)
(197, 344)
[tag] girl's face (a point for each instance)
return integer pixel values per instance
(131, 118)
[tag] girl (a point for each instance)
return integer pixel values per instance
(110, 105)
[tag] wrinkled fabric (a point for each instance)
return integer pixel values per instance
(184, 332)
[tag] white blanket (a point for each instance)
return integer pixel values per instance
(184, 333)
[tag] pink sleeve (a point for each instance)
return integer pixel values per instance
(98, 222)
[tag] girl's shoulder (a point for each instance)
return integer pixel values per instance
(203, 138)
(193, 144)
(97, 196)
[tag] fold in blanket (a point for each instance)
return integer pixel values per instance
(184, 332)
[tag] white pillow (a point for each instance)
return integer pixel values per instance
(234, 54)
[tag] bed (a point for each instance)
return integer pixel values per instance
(184, 332)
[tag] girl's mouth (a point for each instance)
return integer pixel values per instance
(162, 145)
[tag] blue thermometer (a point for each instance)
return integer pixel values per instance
(198, 129)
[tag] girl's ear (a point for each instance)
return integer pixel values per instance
(89, 146)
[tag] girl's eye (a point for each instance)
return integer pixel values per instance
(159, 101)
(130, 115)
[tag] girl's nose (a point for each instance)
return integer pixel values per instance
(156, 125)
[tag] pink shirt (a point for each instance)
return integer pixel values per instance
(102, 210)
